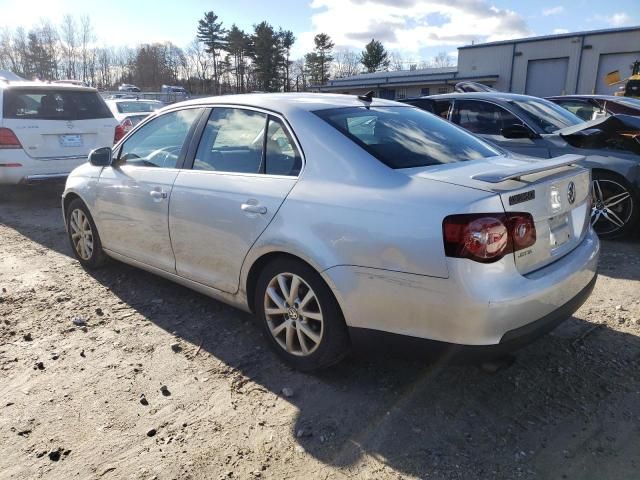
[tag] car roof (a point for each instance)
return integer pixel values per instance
(45, 86)
(602, 97)
(288, 102)
(481, 95)
(122, 100)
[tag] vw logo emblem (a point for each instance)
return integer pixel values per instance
(70, 124)
(571, 193)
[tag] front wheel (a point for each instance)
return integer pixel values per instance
(83, 235)
(300, 315)
(614, 206)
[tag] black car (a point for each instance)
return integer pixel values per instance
(537, 127)
(589, 107)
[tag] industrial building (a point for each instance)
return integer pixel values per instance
(542, 66)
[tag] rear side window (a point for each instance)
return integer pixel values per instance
(406, 137)
(232, 141)
(482, 117)
(135, 106)
(39, 104)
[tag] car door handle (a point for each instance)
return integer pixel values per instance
(250, 208)
(158, 194)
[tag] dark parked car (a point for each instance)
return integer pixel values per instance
(539, 128)
(589, 107)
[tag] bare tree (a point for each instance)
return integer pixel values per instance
(346, 63)
(442, 60)
(69, 38)
(86, 38)
(396, 61)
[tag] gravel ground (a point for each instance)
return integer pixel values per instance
(121, 374)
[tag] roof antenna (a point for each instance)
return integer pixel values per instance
(367, 97)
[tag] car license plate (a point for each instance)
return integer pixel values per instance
(70, 140)
(560, 230)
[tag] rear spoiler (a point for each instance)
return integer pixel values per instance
(529, 168)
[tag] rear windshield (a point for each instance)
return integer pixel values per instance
(134, 107)
(406, 137)
(38, 104)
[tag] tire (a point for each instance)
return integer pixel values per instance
(316, 336)
(86, 247)
(615, 207)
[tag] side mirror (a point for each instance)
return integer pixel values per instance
(516, 131)
(101, 157)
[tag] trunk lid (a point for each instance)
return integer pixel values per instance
(556, 192)
(53, 122)
(618, 132)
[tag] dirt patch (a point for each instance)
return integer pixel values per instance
(121, 374)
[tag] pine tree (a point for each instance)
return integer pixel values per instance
(212, 34)
(374, 57)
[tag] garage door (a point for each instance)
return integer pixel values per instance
(609, 63)
(547, 77)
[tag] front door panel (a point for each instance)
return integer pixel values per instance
(132, 211)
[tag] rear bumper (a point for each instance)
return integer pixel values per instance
(33, 170)
(478, 305)
(367, 341)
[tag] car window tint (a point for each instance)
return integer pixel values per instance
(584, 110)
(441, 108)
(483, 117)
(406, 137)
(159, 142)
(44, 104)
(282, 155)
(232, 141)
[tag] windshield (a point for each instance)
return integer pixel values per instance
(406, 137)
(548, 116)
(134, 107)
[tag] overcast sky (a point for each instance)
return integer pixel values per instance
(417, 29)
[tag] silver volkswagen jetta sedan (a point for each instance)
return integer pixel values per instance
(339, 219)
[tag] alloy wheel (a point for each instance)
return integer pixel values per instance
(293, 314)
(81, 234)
(612, 206)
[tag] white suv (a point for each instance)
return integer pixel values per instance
(46, 130)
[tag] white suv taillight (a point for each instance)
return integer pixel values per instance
(8, 139)
(487, 237)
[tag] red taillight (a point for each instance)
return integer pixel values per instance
(8, 139)
(122, 129)
(487, 237)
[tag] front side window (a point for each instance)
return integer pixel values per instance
(482, 117)
(159, 142)
(546, 115)
(232, 141)
(45, 104)
(406, 137)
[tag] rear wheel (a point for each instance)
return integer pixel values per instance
(83, 235)
(614, 206)
(300, 315)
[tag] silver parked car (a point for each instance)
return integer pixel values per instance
(340, 219)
